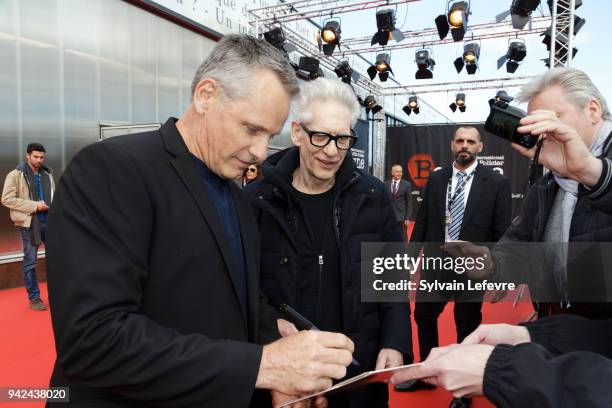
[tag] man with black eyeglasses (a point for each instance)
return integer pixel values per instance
(314, 209)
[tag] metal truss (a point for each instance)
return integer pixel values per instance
(284, 12)
(562, 33)
(455, 86)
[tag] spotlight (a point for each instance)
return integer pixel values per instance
(459, 103)
(345, 72)
(370, 104)
(455, 20)
(385, 23)
(425, 64)
(521, 10)
(311, 67)
(471, 53)
(382, 67)
(277, 38)
(501, 95)
(412, 106)
(517, 51)
(330, 36)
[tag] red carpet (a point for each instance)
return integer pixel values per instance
(27, 349)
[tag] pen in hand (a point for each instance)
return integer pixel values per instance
(302, 323)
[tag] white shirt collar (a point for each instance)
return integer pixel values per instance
(467, 171)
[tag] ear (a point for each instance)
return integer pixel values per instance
(480, 147)
(594, 111)
(296, 133)
(206, 92)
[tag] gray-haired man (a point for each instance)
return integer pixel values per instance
(154, 255)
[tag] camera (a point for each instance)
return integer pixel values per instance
(504, 119)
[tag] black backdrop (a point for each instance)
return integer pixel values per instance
(422, 149)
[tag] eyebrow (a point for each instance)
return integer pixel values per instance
(261, 128)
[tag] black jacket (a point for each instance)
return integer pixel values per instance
(143, 301)
(362, 212)
(487, 213)
(568, 364)
(591, 222)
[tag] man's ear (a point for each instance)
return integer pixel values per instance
(206, 91)
(481, 147)
(295, 133)
(594, 110)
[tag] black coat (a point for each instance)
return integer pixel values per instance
(487, 213)
(591, 222)
(403, 199)
(362, 212)
(568, 364)
(143, 302)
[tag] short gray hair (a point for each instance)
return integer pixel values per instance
(577, 86)
(325, 89)
(232, 61)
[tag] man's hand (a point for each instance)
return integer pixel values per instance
(388, 358)
(305, 362)
(465, 249)
(42, 206)
(406, 223)
(564, 151)
(279, 399)
(285, 327)
(494, 334)
(459, 368)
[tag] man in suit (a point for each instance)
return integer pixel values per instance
(153, 255)
(464, 201)
(400, 195)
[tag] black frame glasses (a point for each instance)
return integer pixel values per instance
(322, 139)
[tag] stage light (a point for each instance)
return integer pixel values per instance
(344, 71)
(277, 38)
(311, 67)
(455, 20)
(517, 51)
(370, 104)
(499, 96)
(385, 23)
(459, 103)
(382, 67)
(521, 10)
(471, 53)
(412, 106)
(425, 64)
(330, 36)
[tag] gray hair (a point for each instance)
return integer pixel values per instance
(577, 86)
(232, 61)
(325, 89)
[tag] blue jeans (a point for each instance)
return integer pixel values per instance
(30, 253)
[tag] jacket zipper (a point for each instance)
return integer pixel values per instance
(320, 289)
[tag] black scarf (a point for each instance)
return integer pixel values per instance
(45, 179)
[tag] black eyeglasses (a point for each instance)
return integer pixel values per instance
(322, 139)
(252, 170)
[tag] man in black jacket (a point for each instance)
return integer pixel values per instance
(464, 201)
(153, 255)
(314, 209)
(571, 204)
(558, 361)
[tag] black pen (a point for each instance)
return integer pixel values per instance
(300, 322)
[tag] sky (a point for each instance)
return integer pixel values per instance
(592, 41)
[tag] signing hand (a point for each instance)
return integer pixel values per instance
(494, 334)
(304, 362)
(388, 358)
(564, 151)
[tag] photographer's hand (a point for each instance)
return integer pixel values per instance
(563, 151)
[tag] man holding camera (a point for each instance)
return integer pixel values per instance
(572, 203)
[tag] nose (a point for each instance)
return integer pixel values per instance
(259, 148)
(331, 149)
